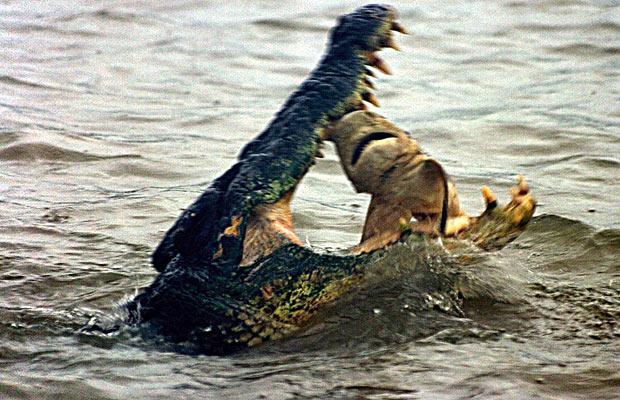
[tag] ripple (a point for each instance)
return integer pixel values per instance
(39, 151)
(24, 82)
(561, 227)
(585, 49)
(289, 25)
(549, 161)
(30, 27)
(541, 27)
(106, 15)
(142, 170)
(494, 60)
(114, 15)
(127, 117)
(590, 312)
(8, 137)
(601, 162)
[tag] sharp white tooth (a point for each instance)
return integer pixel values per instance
(377, 62)
(399, 28)
(371, 98)
(392, 44)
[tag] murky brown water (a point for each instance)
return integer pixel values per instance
(115, 115)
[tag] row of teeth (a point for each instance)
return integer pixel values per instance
(373, 60)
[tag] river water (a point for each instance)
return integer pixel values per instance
(114, 115)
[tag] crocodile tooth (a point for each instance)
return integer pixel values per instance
(371, 98)
(399, 28)
(370, 72)
(376, 61)
(369, 83)
(392, 44)
(382, 66)
(318, 153)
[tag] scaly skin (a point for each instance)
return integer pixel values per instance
(204, 294)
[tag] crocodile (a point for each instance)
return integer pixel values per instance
(232, 272)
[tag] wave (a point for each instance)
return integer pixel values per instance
(585, 49)
(551, 233)
(289, 25)
(540, 27)
(11, 80)
(39, 151)
(33, 27)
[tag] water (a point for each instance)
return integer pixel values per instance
(115, 115)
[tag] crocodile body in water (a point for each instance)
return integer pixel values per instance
(233, 273)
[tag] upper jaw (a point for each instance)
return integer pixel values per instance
(384, 39)
(370, 61)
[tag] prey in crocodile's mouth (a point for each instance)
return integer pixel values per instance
(406, 184)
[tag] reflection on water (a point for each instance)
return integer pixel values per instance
(114, 116)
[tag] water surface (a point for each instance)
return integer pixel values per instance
(116, 115)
